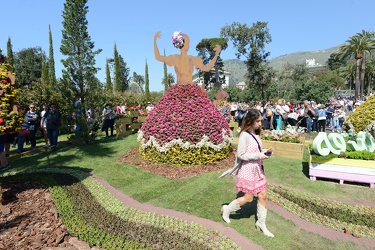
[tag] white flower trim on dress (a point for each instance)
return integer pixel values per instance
(152, 142)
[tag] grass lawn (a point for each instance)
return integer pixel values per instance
(202, 195)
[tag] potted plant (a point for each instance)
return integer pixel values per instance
(288, 143)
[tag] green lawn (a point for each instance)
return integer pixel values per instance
(203, 195)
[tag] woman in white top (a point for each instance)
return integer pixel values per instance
(251, 179)
(279, 113)
(341, 117)
(43, 125)
(336, 123)
(322, 118)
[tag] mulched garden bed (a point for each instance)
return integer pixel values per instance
(132, 157)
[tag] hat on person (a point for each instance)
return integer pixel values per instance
(149, 102)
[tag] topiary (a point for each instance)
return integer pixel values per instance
(185, 128)
(362, 119)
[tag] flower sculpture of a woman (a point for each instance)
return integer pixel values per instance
(185, 127)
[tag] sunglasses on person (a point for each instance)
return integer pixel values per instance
(32, 107)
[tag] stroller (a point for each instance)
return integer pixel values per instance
(294, 120)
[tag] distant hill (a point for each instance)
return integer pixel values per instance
(237, 68)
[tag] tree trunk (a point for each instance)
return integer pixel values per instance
(217, 83)
(363, 69)
(357, 79)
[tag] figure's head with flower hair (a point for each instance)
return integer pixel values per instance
(178, 39)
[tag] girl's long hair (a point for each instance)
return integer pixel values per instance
(249, 120)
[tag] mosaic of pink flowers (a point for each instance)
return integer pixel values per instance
(185, 112)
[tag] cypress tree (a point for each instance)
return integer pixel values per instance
(108, 81)
(51, 61)
(165, 79)
(125, 71)
(45, 72)
(10, 56)
(117, 66)
(147, 89)
(76, 44)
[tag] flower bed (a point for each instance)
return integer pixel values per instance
(287, 143)
(10, 118)
(356, 219)
(93, 214)
(330, 158)
(342, 169)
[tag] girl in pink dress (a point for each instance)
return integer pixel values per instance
(251, 179)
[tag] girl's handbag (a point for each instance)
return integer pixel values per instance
(24, 132)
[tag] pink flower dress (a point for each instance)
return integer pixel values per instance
(251, 178)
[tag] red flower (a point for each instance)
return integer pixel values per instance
(4, 81)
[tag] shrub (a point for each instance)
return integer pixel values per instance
(177, 155)
(9, 120)
(362, 118)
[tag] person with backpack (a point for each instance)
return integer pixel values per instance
(267, 115)
(53, 124)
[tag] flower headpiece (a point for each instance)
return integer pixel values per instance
(178, 39)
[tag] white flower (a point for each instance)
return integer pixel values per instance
(152, 142)
(178, 39)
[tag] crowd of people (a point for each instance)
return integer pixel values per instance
(106, 115)
(48, 121)
(310, 115)
(251, 181)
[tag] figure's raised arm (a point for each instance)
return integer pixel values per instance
(167, 59)
(156, 49)
(199, 64)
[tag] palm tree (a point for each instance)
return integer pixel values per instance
(139, 79)
(370, 74)
(348, 73)
(367, 36)
(358, 46)
(170, 79)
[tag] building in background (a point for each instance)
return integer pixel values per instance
(225, 75)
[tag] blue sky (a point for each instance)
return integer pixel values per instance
(295, 26)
